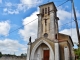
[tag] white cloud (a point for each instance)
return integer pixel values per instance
(72, 32)
(62, 14)
(31, 28)
(29, 3)
(4, 27)
(77, 13)
(10, 11)
(66, 17)
(9, 4)
(8, 46)
(10, 8)
(26, 4)
(0, 1)
(22, 6)
(5, 9)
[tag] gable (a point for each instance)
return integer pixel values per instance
(43, 40)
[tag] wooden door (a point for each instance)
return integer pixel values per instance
(46, 55)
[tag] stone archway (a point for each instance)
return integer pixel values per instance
(37, 45)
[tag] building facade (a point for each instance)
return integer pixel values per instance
(50, 44)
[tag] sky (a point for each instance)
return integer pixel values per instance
(18, 21)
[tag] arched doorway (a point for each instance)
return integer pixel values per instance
(42, 51)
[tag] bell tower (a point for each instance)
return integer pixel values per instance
(47, 21)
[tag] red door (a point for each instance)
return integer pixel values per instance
(46, 55)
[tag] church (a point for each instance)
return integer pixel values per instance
(49, 44)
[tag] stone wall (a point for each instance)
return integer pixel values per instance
(12, 58)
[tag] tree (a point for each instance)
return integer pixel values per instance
(24, 54)
(77, 53)
(0, 54)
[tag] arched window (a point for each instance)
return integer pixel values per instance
(42, 12)
(45, 10)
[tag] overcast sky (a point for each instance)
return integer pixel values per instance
(15, 28)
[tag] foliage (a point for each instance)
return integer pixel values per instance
(8, 55)
(23, 54)
(0, 54)
(77, 53)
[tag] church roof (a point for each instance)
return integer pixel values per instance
(63, 37)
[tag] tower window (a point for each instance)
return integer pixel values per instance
(55, 36)
(45, 10)
(42, 12)
(48, 10)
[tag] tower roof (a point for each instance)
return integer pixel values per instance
(48, 4)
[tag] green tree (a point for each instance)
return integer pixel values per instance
(77, 53)
(0, 54)
(24, 54)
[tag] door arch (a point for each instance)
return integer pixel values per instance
(37, 45)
